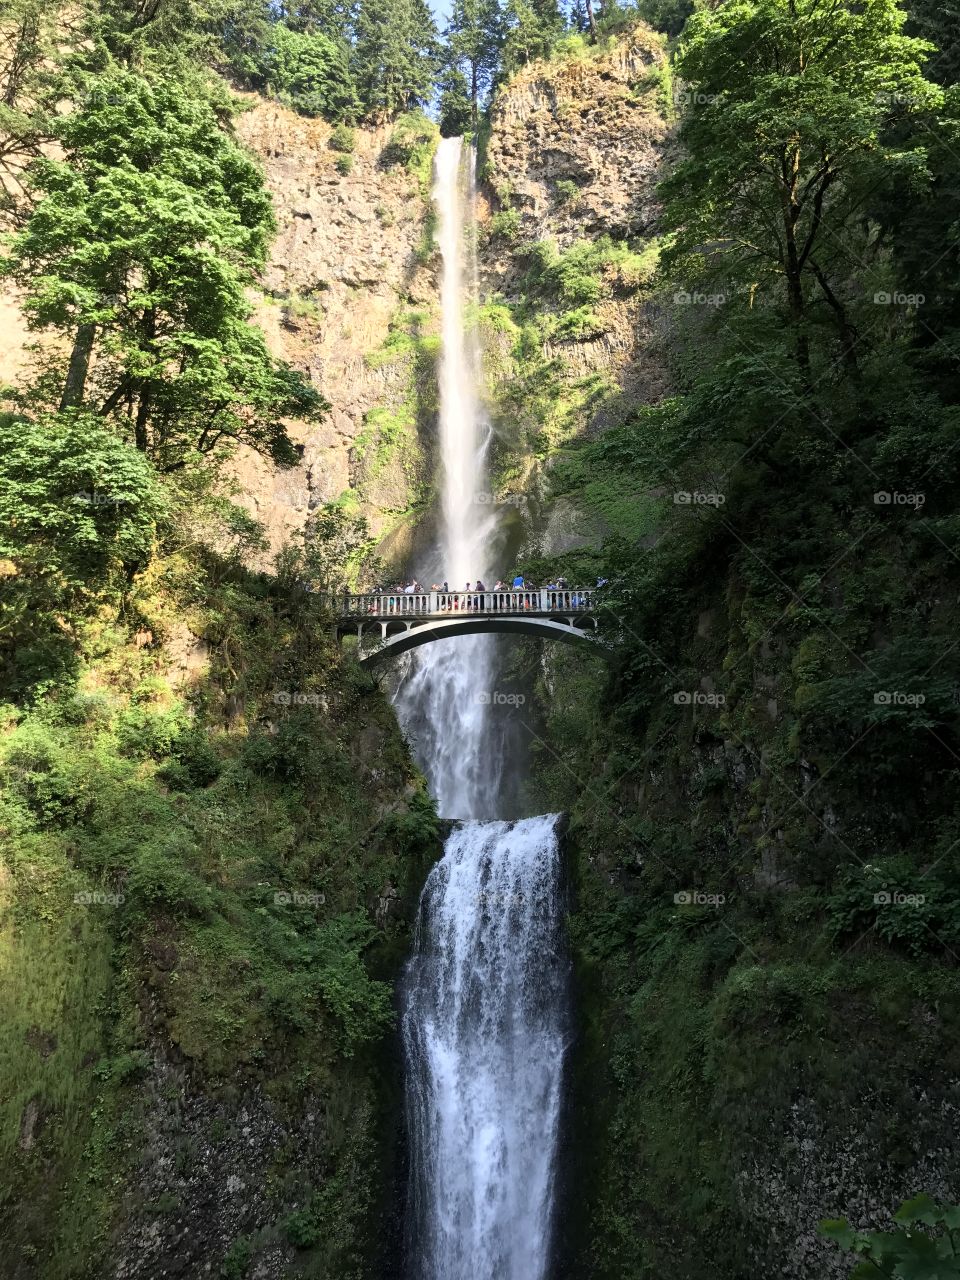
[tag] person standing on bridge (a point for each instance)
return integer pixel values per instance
(479, 600)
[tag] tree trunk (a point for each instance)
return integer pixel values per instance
(26, 52)
(79, 365)
(849, 336)
(143, 416)
(792, 266)
(591, 20)
(145, 391)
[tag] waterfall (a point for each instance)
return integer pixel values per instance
(485, 1000)
(485, 1029)
(447, 690)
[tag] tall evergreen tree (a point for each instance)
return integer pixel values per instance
(939, 22)
(330, 17)
(475, 36)
(31, 38)
(455, 108)
(532, 28)
(395, 56)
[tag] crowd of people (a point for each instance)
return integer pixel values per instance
(516, 593)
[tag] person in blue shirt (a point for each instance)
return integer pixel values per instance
(518, 582)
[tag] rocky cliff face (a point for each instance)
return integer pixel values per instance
(575, 151)
(573, 156)
(350, 263)
(349, 295)
(588, 120)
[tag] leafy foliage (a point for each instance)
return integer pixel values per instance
(214, 852)
(134, 254)
(780, 725)
(310, 72)
(394, 56)
(924, 1245)
(79, 511)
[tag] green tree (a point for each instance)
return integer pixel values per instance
(475, 36)
(331, 17)
(311, 73)
(940, 24)
(532, 29)
(143, 241)
(395, 56)
(336, 542)
(28, 54)
(456, 115)
(242, 36)
(795, 114)
(665, 15)
(78, 513)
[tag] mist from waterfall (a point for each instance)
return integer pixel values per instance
(485, 993)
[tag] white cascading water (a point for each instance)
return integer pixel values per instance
(485, 998)
(446, 692)
(485, 1033)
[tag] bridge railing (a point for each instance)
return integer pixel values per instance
(400, 604)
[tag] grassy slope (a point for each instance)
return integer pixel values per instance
(188, 810)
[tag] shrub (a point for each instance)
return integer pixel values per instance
(412, 144)
(505, 225)
(566, 191)
(78, 515)
(579, 324)
(343, 138)
(344, 165)
(236, 1262)
(922, 1245)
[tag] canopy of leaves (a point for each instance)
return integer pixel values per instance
(795, 114)
(143, 240)
(923, 1247)
(78, 515)
(310, 72)
(395, 55)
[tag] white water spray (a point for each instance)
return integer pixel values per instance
(485, 993)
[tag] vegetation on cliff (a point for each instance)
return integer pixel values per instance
(769, 915)
(211, 830)
(211, 835)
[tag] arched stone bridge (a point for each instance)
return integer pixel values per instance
(399, 622)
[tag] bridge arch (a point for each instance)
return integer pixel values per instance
(440, 629)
